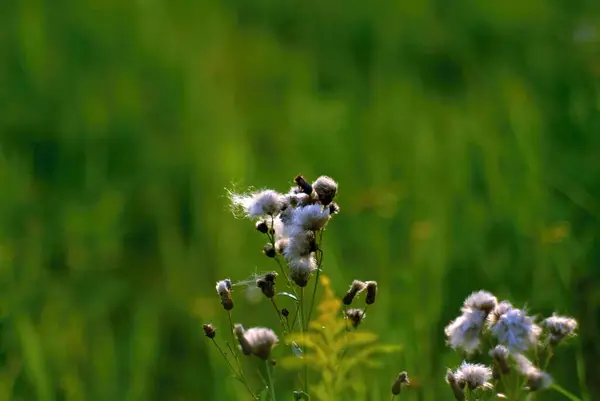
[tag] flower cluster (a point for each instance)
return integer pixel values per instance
(513, 339)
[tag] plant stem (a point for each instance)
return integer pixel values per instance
(239, 375)
(302, 331)
(231, 331)
(319, 263)
(564, 392)
(549, 355)
(270, 381)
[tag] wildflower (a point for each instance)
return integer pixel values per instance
(240, 334)
(516, 330)
(301, 268)
(269, 251)
(356, 287)
(257, 341)
(400, 380)
(481, 300)
(301, 244)
(371, 288)
(536, 379)
(326, 189)
(500, 309)
(355, 316)
(311, 217)
(303, 185)
(465, 331)
(209, 331)
(267, 284)
(500, 356)
(474, 375)
(262, 227)
(261, 203)
(457, 388)
(224, 291)
(559, 327)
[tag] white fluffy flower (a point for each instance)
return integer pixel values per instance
(223, 287)
(465, 331)
(481, 300)
(311, 217)
(300, 245)
(257, 204)
(301, 268)
(474, 375)
(326, 189)
(500, 309)
(516, 330)
(261, 341)
(559, 328)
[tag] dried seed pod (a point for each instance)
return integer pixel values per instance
(269, 251)
(209, 331)
(303, 184)
(371, 292)
(400, 380)
(356, 287)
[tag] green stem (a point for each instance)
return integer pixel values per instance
(319, 263)
(302, 331)
(270, 381)
(231, 331)
(564, 392)
(239, 375)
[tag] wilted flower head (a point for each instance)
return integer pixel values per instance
(371, 288)
(400, 380)
(209, 330)
(267, 284)
(356, 287)
(481, 300)
(500, 355)
(261, 203)
(355, 316)
(474, 375)
(326, 189)
(224, 290)
(261, 341)
(500, 309)
(559, 328)
(516, 330)
(457, 388)
(465, 331)
(536, 379)
(303, 185)
(301, 268)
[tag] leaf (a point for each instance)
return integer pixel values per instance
(287, 294)
(356, 338)
(293, 363)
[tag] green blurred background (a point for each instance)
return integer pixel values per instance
(465, 137)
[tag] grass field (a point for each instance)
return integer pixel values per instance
(465, 138)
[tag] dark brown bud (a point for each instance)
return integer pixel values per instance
(270, 277)
(356, 287)
(209, 331)
(285, 312)
(262, 227)
(303, 184)
(267, 287)
(334, 208)
(371, 292)
(269, 251)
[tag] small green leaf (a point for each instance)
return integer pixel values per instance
(287, 294)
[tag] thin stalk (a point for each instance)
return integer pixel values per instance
(282, 320)
(239, 375)
(549, 355)
(302, 331)
(319, 263)
(270, 381)
(231, 331)
(393, 396)
(564, 392)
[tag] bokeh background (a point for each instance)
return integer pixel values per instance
(465, 137)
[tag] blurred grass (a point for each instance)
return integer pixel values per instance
(464, 137)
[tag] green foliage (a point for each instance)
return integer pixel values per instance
(334, 350)
(464, 136)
